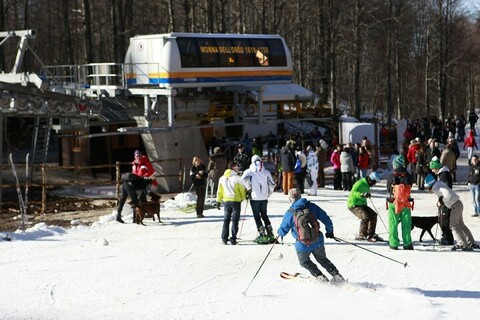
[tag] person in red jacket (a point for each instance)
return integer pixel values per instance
(363, 161)
(142, 175)
(470, 143)
(412, 156)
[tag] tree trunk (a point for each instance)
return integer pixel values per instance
(88, 32)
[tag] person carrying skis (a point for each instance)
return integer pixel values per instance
(400, 204)
(232, 192)
(357, 204)
(451, 200)
(260, 185)
(312, 242)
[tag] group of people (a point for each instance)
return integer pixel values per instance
(350, 163)
(247, 178)
(452, 126)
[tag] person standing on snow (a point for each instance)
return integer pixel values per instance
(337, 172)
(312, 170)
(142, 175)
(322, 158)
(357, 204)
(216, 167)
(451, 200)
(470, 143)
(474, 184)
(444, 175)
(260, 185)
(198, 174)
(232, 192)
(301, 169)
(242, 159)
(347, 167)
(316, 248)
(288, 166)
(400, 205)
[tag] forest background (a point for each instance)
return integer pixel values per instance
(397, 58)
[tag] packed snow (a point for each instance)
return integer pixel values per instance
(180, 269)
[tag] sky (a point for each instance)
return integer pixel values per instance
(180, 269)
(471, 5)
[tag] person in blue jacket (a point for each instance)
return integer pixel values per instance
(316, 248)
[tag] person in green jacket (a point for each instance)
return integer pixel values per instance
(232, 192)
(357, 204)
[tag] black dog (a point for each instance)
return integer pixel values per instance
(424, 223)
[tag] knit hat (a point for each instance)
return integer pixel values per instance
(429, 181)
(435, 163)
(294, 194)
(399, 162)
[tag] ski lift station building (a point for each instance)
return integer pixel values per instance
(180, 89)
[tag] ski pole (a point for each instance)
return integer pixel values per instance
(243, 219)
(381, 255)
(271, 248)
(378, 214)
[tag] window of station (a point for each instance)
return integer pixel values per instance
(231, 52)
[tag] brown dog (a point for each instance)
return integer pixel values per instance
(147, 210)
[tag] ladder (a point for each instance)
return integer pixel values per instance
(40, 140)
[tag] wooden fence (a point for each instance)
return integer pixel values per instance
(46, 177)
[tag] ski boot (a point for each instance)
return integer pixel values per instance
(262, 237)
(270, 234)
(337, 279)
(322, 278)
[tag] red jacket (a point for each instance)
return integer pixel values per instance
(363, 160)
(143, 168)
(412, 153)
(470, 140)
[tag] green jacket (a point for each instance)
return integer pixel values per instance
(355, 197)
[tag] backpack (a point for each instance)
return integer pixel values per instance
(298, 166)
(307, 225)
(401, 194)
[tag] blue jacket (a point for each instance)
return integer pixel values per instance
(289, 224)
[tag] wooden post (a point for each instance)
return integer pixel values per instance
(181, 184)
(44, 190)
(117, 180)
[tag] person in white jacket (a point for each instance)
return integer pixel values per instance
(260, 185)
(347, 167)
(451, 200)
(312, 170)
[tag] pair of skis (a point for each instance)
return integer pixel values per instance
(22, 200)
